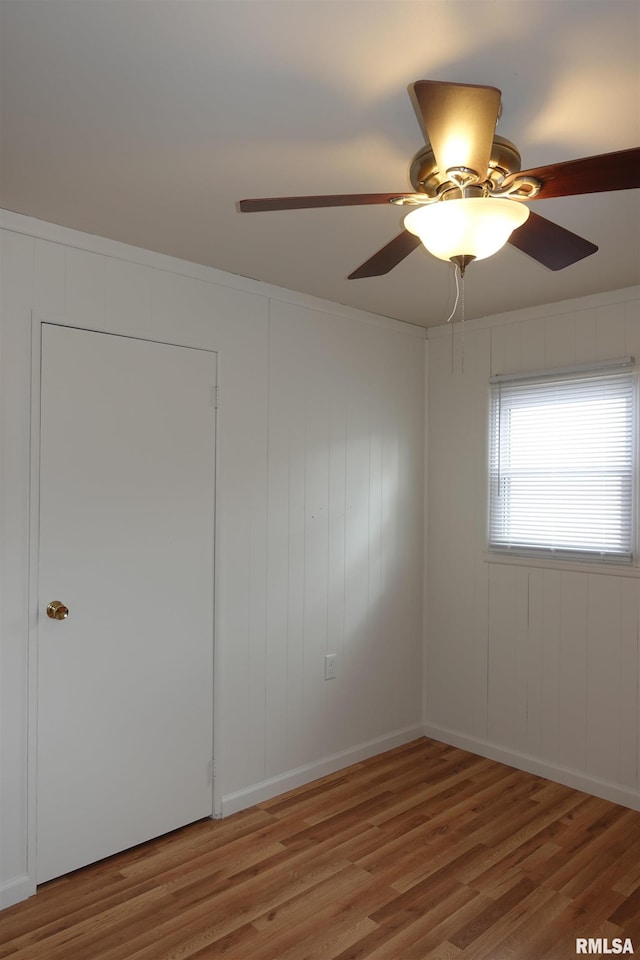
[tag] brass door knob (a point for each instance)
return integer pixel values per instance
(57, 610)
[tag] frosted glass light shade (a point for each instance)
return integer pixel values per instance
(473, 227)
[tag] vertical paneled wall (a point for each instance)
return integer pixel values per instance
(339, 537)
(536, 664)
(319, 506)
(345, 538)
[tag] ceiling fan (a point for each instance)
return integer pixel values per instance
(468, 187)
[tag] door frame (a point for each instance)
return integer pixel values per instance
(37, 322)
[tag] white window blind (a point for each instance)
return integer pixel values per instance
(562, 455)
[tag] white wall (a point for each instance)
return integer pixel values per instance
(532, 663)
(319, 512)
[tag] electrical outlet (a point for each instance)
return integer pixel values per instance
(330, 666)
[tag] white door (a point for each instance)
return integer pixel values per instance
(125, 682)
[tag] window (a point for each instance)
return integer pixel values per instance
(562, 463)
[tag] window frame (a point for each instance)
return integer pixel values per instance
(500, 544)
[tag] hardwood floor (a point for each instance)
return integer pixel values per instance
(423, 852)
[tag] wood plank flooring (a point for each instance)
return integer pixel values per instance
(423, 852)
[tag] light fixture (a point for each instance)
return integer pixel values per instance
(462, 230)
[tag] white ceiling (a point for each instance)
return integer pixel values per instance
(146, 120)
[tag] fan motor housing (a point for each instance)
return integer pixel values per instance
(426, 178)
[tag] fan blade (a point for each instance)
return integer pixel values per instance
(459, 120)
(389, 257)
(550, 244)
(608, 171)
(304, 203)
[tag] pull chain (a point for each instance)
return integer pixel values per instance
(462, 325)
(455, 307)
(458, 272)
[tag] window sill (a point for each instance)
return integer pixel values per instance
(612, 569)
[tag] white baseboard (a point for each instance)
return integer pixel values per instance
(16, 890)
(266, 789)
(605, 789)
